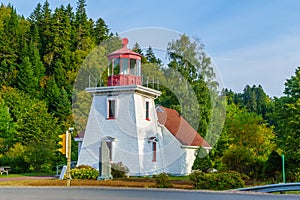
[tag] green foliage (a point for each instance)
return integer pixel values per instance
(273, 166)
(15, 159)
(216, 181)
(238, 159)
(287, 118)
(202, 161)
(40, 58)
(84, 172)
(118, 170)
(162, 180)
(294, 175)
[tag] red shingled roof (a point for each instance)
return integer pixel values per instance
(179, 127)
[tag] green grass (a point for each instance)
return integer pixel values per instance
(25, 174)
(38, 174)
(179, 178)
(288, 192)
(11, 176)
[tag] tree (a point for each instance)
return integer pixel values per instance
(7, 128)
(287, 118)
(34, 141)
(250, 141)
(26, 78)
(101, 31)
(188, 58)
(151, 58)
(9, 28)
(256, 100)
(57, 99)
(136, 48)
(273, 166)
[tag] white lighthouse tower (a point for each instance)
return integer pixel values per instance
(147, 139)
(123, 114)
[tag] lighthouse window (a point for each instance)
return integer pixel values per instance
(153, 151)
(109, 146)
(124, 66)
(138, 69)
(111, 108)
(133, 67)
(116, 66)
(147, 110)
(153, 141)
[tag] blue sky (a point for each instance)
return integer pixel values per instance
(250, 41)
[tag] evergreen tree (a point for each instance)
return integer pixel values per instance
(151, 58)
(8, 44)
(101, 31)
(26, 79)
(7, 128)
(136, 48)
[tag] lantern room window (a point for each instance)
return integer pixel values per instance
(124, 66)
(116, 66)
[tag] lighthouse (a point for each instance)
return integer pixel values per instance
(147, 139)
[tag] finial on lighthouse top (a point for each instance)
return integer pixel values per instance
(124, 42)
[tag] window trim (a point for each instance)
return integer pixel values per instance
(153, 141)
(147, 110)
(110, 142)
(108, 108)
(154, 151)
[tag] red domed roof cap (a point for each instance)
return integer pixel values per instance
(123, 50)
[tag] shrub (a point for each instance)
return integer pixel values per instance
(273, 166)
(293, 175)
(216, 181)
(239, 159)
(162, 180)
(84, 172)
(118, 170)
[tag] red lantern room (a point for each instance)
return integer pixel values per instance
(124, 66)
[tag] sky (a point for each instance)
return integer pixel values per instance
(254, 42)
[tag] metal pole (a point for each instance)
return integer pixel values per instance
(283, 169)
(68, 154)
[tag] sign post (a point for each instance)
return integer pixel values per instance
(68, 155)
(283, 169)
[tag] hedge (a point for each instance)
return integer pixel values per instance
(216, 181)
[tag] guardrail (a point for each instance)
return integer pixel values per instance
(281, 187)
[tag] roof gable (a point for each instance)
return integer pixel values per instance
(179, 127)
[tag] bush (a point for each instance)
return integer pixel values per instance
(84, 172)
(293, 175)
(118, 170)
(163, 181)
(216, 181)
(239, 159)
(273, 166)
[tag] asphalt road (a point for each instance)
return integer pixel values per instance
(89, 193)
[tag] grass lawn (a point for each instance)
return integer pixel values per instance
(24, 175)
(142, 182)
